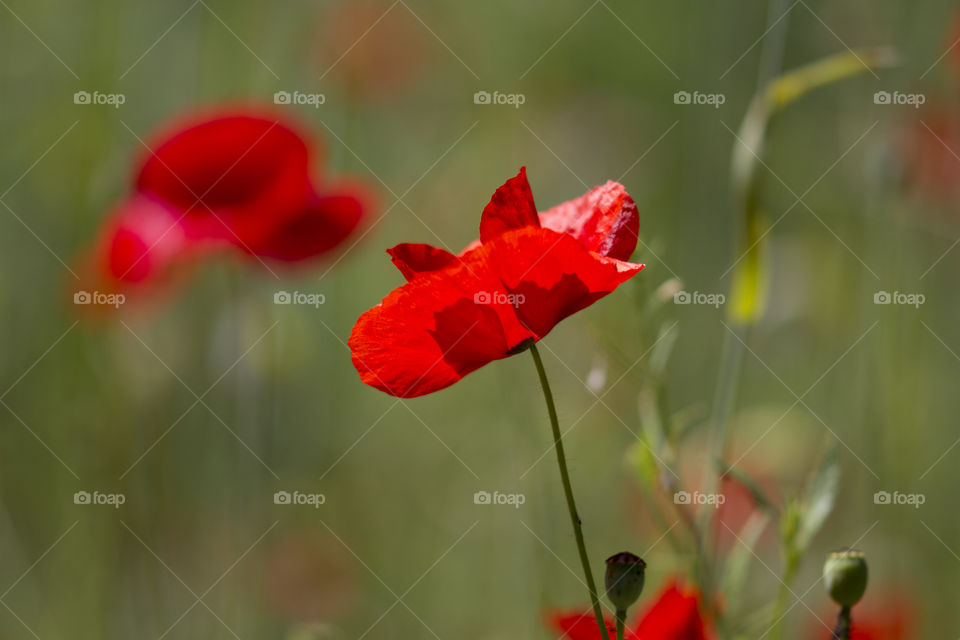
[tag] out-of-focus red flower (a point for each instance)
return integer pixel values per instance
(234, 180)
(308, 579)
(675, 615)
(527, 272)
(891, 618)
(374, 47)
(739, 505)
(952, 40)
(929, 142)
(931, 150)
(323, 223)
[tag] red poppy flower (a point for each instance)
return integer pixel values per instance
(952, 40)
(891, 618)
(740, 505)
(307, 578)
(929, 146)
(675, 615)
(238, 180)
(320, 226)
(527, 272)
(373, 48)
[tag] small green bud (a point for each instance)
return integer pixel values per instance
(624, 579)
(845, 574)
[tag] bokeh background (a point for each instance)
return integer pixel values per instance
(200, 406)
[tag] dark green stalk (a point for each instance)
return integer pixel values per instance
(568, 492)
(844, 625)
(621, 622)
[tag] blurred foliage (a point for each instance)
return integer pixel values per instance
(199, 549)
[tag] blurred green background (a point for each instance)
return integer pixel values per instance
(200, 408)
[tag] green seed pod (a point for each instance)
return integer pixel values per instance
(624, 579)
(845, 574)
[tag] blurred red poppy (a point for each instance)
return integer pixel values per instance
(306, 577)
(527, 272)
(928, 141)
(930, 145)
(675, 615)
(239, 180)
(891, 618)
(952, 39)
(374, 48)
(740, 506)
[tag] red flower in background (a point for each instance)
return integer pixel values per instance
(387, 48)
(881, 626)
(740, 506)
(930, 145)
(306, 579)
(675, 615)
(236, 180)
(891, 618)
(527, 272)
(953, 39)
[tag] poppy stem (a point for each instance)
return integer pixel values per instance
(621, 622)
(568, 492)
(844, 625)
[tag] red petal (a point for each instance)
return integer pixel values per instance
(314, 231)
(141, 252)
(234, 175)
(141, 241)
(442, 325)
(430, 332)
(552, 276)
(413, 258)
(470, 247)
(604, 220)
(511, 207)
(582, 626)
(674, 616)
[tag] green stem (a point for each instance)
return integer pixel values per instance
(621, 622)
(844, 625)
(780, 605)
(568, 492)
(771, 59)
(728, 380)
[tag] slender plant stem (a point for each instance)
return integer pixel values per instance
(728, 381)
(621, 622)
(844, 625)
(771, 61)
(568, 492)
(791, 564)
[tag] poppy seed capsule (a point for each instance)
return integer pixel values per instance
(845, 574)
(624, 579)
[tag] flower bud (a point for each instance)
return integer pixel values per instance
(845, 574)
(624, 579)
